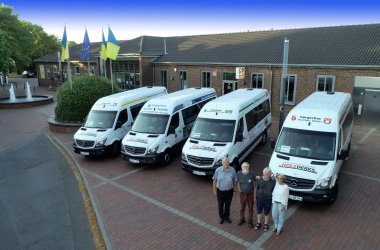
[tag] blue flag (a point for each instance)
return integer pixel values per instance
(85, 46)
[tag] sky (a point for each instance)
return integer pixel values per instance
(131, 19)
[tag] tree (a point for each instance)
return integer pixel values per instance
(22, 41)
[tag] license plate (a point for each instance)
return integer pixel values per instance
(295, 198)
(84, 153)
(199, 173)
(134, 161)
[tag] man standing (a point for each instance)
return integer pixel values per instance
(246, 181)
(224, 186)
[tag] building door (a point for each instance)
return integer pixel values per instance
(371, 107)
(229, 86)
(183, 79)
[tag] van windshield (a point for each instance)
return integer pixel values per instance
(213, 130)
(150, 123)
(100, 119)
(307, 144)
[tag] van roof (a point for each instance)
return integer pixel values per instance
(327, 101)
(230, 105)
(177, 100)
(125, 98)
(320, 110)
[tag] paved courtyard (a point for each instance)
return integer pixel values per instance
(154, 207)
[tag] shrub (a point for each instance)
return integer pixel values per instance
(74, 104)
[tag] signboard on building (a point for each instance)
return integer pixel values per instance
(240, 72)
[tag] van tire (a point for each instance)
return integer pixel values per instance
(334, 194)
(166, 157)
(264, 138)
(115, 149)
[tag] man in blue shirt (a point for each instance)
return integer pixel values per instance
(224, 186)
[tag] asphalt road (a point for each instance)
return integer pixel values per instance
(41, 206)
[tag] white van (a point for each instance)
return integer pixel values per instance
(110, 119)
(313, 142)
(163, 125)
(229, 126)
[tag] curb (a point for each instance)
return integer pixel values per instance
(97, 228)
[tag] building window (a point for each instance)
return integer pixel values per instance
(206, 79)
(76, 70)
(183, 79)
(290, 89)
(164, 78)
(257, 80)
(325, 83)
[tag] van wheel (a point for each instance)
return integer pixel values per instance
(167, 157)
(264, 138)
(333, 195)
(115, 150)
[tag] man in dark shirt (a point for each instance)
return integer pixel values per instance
(246, 181)
(264, 189)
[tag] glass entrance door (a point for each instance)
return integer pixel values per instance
(229, 86)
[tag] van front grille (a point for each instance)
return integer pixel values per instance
(200, 161)
(134, 150)
(84, 143)
(299, 183)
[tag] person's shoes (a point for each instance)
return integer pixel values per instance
(266, 227)
(278, 232)
(221, 221)
(274, 230)
(228, 220)
(257, 226)
(250, 225)
(241, 222)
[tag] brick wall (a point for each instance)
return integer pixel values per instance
(306, 79)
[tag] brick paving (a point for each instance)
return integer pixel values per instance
(144, 206)
(154, 207)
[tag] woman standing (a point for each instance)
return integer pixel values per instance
(280, 203)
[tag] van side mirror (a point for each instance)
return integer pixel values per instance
(118, 125)
(171, 130)
(272, 143)
(239, 137)
(343, 154)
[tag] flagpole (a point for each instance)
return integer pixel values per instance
(69, 74)
(88, 63)
(111, 74)
(105, 68)
(101, 67)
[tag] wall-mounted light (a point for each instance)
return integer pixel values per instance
(175, 69)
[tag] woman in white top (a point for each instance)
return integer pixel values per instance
(280, 202)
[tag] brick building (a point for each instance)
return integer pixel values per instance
(341, 58)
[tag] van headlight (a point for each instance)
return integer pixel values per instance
(324, 183)
(153, 149)
(101, 142)
(183, 157)
(219, 162)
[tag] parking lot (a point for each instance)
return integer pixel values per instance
(155, 207)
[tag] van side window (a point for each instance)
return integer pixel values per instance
(266, 107)
(190, 114)
(123, 116)
(260, 114)
(347, 124)
(136, 109)
(250, 119)
(175, 120)
(240, 128)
